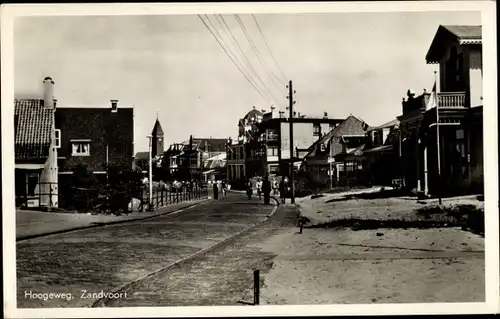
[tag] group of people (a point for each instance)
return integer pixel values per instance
(265, 187)
(221, 187)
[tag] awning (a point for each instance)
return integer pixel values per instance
(379, 149)
(30, 166)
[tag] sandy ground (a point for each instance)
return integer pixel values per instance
(325, 266)
(332, 207)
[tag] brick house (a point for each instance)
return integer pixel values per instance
(458, 97)
(94, 136)
(51, 140)
(325, 157)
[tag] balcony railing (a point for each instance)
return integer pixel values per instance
(451, 99)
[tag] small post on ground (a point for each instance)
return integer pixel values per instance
(256, 286)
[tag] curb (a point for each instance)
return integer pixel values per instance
(102, 224)
(99, 302)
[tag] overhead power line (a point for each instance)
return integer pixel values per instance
(222, 22)
(232, 59)
(268, 48)
(256, 50)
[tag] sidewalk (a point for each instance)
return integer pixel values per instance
(30, 224)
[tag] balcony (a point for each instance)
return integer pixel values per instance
(272, 137)
(451, 99)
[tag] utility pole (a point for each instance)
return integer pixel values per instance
(438, 138)
(292, 170)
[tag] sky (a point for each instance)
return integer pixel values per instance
(171, 66)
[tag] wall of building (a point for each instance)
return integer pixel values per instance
(476, 143)
(475, 77)
(302, 136)
(104, 129)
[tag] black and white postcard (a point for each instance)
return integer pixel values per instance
(229, 159)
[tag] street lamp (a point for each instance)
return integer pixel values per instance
(150, 172)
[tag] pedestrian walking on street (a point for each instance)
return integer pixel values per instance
(216, 191)
(249, 189)
(224, 189)
(275, 187)
(282, 187)
(259, 188)
(266, 189)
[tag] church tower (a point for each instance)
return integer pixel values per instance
(158, 139)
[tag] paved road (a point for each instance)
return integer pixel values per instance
(107, 258)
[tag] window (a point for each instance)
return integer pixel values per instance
(194, 160)
(272, 151)
(316, 129)
(460, 143)
(57, 142)
(80, 148)
(323, 147)
(242, 171)
(33, 179)
(274, 169)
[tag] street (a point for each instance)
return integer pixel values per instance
(119, 257)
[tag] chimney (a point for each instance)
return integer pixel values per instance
(114, 106)
(325, 115)
(48, 92)
(55, 102)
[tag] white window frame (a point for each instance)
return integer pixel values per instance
(316, 129)
(272, 151)
(57, 138)
(82, 143)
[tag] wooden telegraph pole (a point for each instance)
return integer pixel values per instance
(291, 101)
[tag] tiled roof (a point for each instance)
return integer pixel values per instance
(34, 129)
(386, 125)
(350, 126)
(213, 144)
(465, 34)
(465, 31)
(379, 149)
(141, 156)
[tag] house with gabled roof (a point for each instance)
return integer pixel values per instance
(322, 163)
(451, 114)
(52, 140)
(379, 157)
(187, 160)
(36, 168)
